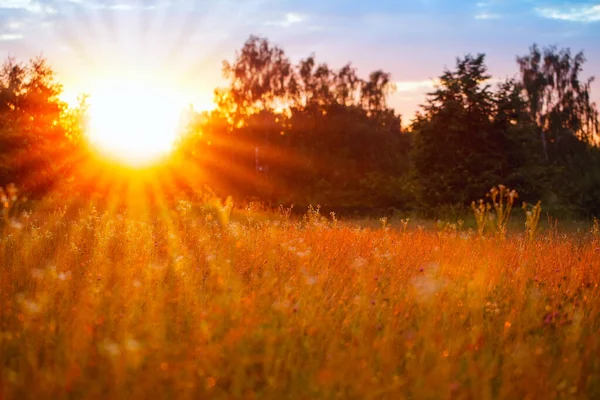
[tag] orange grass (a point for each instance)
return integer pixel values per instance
(185, 305)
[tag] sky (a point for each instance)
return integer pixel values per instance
(181, 44)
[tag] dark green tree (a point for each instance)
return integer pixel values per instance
(566, 121)
(458, 153)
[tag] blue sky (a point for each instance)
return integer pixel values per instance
(184, 41)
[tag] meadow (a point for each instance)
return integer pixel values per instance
(191, 302)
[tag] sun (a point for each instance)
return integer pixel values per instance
(134, 121)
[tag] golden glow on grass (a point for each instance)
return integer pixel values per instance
(184, 303)
(135, 121)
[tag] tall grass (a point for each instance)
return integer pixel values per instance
(193, 304)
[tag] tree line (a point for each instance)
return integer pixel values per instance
(309, 134)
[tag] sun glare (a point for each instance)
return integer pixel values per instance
(135, 122)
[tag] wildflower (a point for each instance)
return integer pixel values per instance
(110, 348)
(63, 276)
(492, 308)
(425, 286)
(359, 263)
(31, 307)
(132, 345)
(454, 386)
(303, 254)
(210, 382)
(16, 224)
(551, 317)
(539, 351)
(311, 280)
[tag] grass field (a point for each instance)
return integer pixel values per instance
(191, 305)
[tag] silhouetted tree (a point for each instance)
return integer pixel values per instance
(37, 135)
(458, 153)
(314, 134)
(559, 102)
(307, 133)
(558, 99)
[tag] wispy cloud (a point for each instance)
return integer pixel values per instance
(486, 10)
(34, 7)
(421, 86)
(415, 86)
(5, 37)
(581, 13)
(485, 15)
(288, 20)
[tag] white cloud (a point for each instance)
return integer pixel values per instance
(14, 25)
(407, 87)
(288, 20)
(5, 37)
(582, 13)
(16, 4)
(485, 15)
(415, 86)
(34, 7)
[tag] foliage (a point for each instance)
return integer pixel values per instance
(533, 134)
(37, 132)
(9, 206)
(558, 100)
(451, 136)
(566, 122)
(305, 133)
